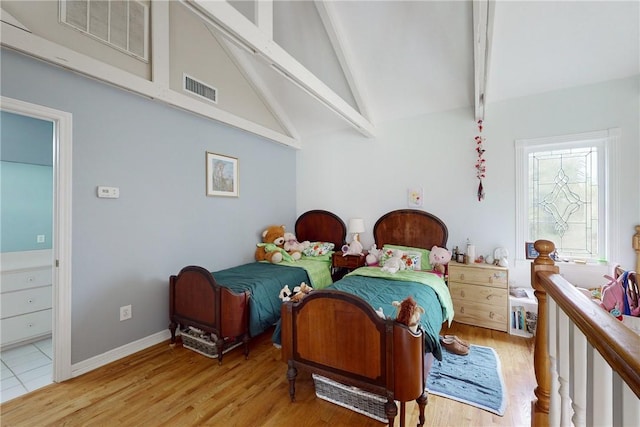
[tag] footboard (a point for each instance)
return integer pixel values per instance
(195, 299)
(339, 336)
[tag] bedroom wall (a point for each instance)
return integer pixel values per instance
(367, 177)
(125, 249)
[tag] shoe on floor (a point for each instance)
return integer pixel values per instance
(454, 346)
(463, 342)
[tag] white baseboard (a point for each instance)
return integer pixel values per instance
(118, 353)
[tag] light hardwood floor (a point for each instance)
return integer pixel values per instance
(164, 386)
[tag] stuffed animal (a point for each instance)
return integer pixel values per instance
(409, 312)
(394, 263)
(373, 256)
(272, 247)
(293, 247)
(439, 258)
(285, 294)
(300, 292)
(353, 248)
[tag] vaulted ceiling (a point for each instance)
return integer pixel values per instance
(322, 66)
(355, 64)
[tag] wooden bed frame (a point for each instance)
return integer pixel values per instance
(197, 300)
(376, 355)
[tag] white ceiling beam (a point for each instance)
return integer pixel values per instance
(38, 47)
(483, 13)
(223, 15)
(262, 89)
(264, 16)
(340, 45)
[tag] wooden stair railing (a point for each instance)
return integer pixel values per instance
(562, 305)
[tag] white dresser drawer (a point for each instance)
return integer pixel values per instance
(22, 328)
(27, 301)
(22, 279)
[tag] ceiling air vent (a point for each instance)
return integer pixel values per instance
(200, 89)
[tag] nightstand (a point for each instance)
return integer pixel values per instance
(341, 265)
(480, 294)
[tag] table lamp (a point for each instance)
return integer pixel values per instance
(356, 226)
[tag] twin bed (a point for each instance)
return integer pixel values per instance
(335, 331)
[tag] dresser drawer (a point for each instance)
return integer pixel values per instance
(23, 279)
(478, 314)
(481, 294)
(479, 274)
(22, 328)
(27, 301)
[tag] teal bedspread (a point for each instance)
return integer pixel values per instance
(264, 281)
(381, 288)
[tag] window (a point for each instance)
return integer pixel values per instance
(123, 24)
(566, 193)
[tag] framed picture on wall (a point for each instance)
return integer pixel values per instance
(222, 175)
(530, 251)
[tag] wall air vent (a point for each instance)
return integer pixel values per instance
(122, 24)
(200, 89)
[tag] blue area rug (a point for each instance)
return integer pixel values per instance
(474, 379)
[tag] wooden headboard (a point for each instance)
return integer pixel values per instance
(321, 226)
(410, 227)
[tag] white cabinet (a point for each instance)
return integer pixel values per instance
(25, 297)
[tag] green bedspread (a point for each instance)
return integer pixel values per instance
(380, 289)
(265, 280)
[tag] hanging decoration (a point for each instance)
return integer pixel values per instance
(480, 163)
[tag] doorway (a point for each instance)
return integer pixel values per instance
(61, 228)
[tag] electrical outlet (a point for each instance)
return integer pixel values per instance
(125, 312)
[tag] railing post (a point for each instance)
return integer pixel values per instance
(540, 406)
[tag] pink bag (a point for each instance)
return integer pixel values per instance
(620, 296)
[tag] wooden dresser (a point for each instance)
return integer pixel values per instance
(480, 294)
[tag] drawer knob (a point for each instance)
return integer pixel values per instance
(490, 279)
(461, 309)
(461, 276)
(30, 300)
(462, 294)
(30, 325)
(492, 314)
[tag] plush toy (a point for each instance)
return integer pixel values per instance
(272, 247)
(285, 294)
(353, 248)
(439, 258)
(394, 263)
(373, 256)
(293, 247)
(298, 293)
(408, 312)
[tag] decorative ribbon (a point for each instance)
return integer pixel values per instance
(480, 163)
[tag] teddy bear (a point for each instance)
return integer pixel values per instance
(373, 255)
(293, 246)
(409, 312)
(299, 292)
(394, 263)
(439, 258)
(272, 247)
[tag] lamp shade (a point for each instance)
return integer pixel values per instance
(356, 225)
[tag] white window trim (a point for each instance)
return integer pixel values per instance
(612, 187)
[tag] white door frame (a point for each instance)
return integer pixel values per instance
(62, 144)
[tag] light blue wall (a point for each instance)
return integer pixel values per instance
(26, 182)
(125, 249)
(26, 206)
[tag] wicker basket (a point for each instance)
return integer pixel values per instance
(353, 398)
(197, 341)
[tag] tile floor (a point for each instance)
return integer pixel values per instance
(25, 369)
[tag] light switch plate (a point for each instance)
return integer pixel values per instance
(108, 192)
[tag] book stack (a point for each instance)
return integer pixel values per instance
(523, 312)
